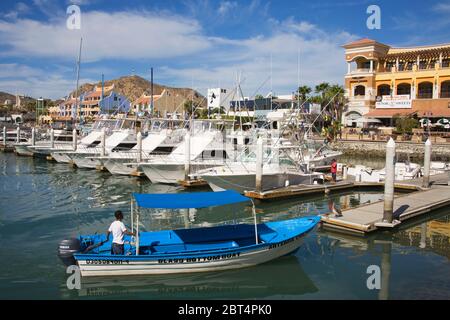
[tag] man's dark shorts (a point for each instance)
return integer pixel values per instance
(333, 175)
(117, 249)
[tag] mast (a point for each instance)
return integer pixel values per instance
(78, 79)
(151, 92)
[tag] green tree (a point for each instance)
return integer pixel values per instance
(322, 89)
(333, 96)
(303, 92)
(405, 125)
(259, 97)
(188, 107)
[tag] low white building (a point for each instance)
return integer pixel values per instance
(219, 98)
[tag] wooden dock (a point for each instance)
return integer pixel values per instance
(368, 218)
(299, 190)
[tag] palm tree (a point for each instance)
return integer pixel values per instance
(322, 89)
(339, 101)
(303, 92)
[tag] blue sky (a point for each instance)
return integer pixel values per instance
(200, 43)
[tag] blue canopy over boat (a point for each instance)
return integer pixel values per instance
(188, 200)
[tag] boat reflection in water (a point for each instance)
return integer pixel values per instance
(281, 278)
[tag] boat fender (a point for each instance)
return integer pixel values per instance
(67, 248)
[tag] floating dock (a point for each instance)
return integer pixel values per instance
(300, 190)
(369, 218)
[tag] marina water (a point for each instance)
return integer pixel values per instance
(44, 202)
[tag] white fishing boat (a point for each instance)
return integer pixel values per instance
(92, 139)
(88, 158)
(241, 177)
(118, 135)
(207, 148)
(319, 156)
(164, 136)
(403, 171)
(43, 141)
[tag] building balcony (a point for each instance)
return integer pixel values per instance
(360, 71)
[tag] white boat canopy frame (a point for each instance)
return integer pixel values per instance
(194, 200)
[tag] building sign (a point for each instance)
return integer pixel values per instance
(394, 102)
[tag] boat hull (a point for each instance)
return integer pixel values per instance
(121, 166)
(193, 264)
(170, 173)
(247, 182)
(23, 150)
(86, 161)
(61, 157)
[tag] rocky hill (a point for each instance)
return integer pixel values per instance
(27, 103)
(133, 87)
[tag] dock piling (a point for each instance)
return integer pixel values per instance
(103, 143)
(427, 164)
(52, 138)
(187, 159)
(389, 182)
(74, 139)
(139, 147)
(259, 164)
(423, 236)
(18, 135)
(33, 136)
(4, 136)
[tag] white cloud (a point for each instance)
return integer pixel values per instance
(50, 8)
(19, 9)
(45, 85)
(227, 6)
(14, 70)
(184, 52)
(120, 35)
(442, 7)
(321, 59)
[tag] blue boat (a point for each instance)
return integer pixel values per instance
(187, 250)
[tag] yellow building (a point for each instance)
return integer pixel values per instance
(382, 82)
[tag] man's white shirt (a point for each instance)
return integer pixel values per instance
(117, 229)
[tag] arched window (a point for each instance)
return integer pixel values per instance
(360, 91)
(445, 89)
(384, 90)
(425, 90)
(403, 88)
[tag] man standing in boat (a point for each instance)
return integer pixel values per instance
(118, 230)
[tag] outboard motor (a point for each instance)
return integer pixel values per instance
(66, 250)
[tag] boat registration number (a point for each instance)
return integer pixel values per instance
(113, 262)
